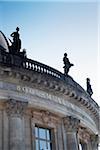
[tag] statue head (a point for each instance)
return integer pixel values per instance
(88, 80)
(17, 29)
(65, 54)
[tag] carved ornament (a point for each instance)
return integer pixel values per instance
(71, 124)
(15, 108)
(46, 117)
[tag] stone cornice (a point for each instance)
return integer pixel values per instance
(69, 88)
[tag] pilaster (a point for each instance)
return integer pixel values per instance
(15, 110)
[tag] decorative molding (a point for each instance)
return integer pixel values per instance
(15, 108)
(71, 124)
(46, 116)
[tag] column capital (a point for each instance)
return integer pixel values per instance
(15, 107)
(71, 124)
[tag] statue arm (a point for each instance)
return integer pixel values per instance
(12, 34)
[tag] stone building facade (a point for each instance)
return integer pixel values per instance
(42, 109)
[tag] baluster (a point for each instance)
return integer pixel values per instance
(34, 67)
(46, 71)
(28, 65)
(37, 68)
(53, 74)
(31, 66)
(41, 69)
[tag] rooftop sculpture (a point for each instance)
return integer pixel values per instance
(15, 47)
(67, 64)
(16, 43)
(11, 54)
(89, 88)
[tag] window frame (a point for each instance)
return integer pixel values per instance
(46, 140)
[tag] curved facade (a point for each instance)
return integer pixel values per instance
(42, 109)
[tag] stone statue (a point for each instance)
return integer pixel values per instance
(89, 89)
(16, 44)
(67, 64)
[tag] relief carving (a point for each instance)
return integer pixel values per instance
(46, 117)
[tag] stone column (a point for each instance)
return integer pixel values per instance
(15, 110)
(71, 127)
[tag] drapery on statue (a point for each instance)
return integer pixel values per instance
(67, 64)
(16, 44)
(89, 88)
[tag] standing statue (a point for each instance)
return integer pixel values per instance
(89, 89)
(16, 44)
(67, 64)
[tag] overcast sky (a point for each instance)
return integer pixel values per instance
(49, 29)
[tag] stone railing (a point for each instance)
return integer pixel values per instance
(41, 68)
(23, 62)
